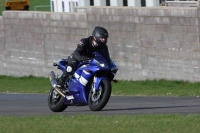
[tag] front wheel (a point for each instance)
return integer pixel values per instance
(56, 101)
(99, 99)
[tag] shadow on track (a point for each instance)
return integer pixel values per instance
(143, 108)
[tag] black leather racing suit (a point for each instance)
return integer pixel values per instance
(83, 52)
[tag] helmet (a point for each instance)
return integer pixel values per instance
(100, 32)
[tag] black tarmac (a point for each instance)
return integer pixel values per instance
(36, 104)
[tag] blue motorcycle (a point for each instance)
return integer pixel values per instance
(89, 85)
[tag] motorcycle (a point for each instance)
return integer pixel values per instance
(89, 85)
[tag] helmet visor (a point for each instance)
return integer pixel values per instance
(103, 39)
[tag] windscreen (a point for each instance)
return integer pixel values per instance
(105, 53)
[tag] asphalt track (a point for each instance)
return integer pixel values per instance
(36, 104)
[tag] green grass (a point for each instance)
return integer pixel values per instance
(2, 7)
(24, 84)
(138, 88)
(157, 88)
(101, 124)
(33, 3)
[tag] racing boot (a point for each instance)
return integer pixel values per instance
(66, 74)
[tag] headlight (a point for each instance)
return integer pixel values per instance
(101, 64)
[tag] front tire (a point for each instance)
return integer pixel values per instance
(56, 101)
(99, 100)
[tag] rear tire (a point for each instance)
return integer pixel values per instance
(56, 104)
(99, 100)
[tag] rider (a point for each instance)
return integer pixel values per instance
(84, 51)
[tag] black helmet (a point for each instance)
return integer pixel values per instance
(100, 32)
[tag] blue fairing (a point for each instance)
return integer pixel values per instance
(98, 81)
(62, 64)
(87, 72)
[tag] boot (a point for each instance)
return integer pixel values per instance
(62, 79)
(66, 74)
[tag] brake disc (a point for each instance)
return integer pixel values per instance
(97, 94)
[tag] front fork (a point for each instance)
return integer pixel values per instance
(93, 85)
(96, 82)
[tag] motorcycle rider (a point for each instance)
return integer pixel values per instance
(84, 51)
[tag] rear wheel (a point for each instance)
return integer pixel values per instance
(56, 101)
(99, 99)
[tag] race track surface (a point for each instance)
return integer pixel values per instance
(36, 104)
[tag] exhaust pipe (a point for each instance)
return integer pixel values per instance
(52, 78)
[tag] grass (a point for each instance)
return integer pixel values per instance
(101, 124)
(157, 88)
(33, 3)
(28, 84)
(2, 7)
(138, 88)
